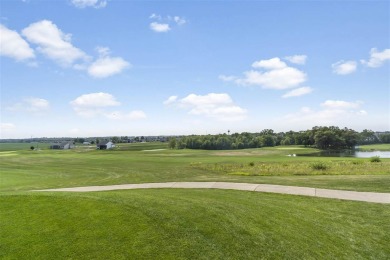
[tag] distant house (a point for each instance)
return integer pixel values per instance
(62, 146)
(105, 145)
(87, 143)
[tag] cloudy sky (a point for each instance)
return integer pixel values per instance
(106, 67)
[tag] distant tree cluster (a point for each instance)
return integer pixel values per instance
(323, 137)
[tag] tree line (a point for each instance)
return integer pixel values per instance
(322, 137)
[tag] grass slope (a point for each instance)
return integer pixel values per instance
(190, 224)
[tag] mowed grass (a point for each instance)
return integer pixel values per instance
(187, 223)
(375, 147)
(190, 224)
(23, 170)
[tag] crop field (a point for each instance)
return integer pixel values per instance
(187, 224)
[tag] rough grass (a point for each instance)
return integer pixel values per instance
(323, 167)
(190, 224)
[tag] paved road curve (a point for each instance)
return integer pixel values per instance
(305, 191)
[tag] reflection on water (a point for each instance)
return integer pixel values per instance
(350, 153)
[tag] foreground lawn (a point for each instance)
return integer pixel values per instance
(190, 224)
(23, 170)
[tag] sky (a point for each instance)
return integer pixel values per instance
(79, 68)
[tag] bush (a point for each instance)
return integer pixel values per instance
(32, 147)
(375, 159)
(252, 164)
(319, 166)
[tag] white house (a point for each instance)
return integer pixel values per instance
(63, 145)
(105, 145)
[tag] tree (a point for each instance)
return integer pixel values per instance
(268, 140)
(32, 147)
(172, 143)
(115, 139)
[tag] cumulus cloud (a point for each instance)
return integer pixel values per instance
(170, 100)
(298, 92)
(297, 59)
(159, 27)
(332, 112)
(106, 66)
(89, 3)
(344, 67)
(32, 105)
(270, 74)
(213, 105)
(14, 46)
(377, 58)
(95, 100)
(274, 63)
(274, 79)
(96, 104)
(53, 43)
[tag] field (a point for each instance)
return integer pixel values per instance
(187, 224)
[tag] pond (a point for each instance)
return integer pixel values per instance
(350, 153)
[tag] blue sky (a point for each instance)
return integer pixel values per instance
(112, 68)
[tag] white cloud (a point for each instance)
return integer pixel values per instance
(32, 105)
(96, 104)
(118, 115)
(179, 20)
(270, 74)
(89, 3)
(297, 59)
(170, 100)
(159, 27)
(13, 45)
(53, 43)
(377, 58)
(227, 78)
(107, 66)
(7, 127)
(344, 67)
(298, 92)
(274, 63)
(165, 24)
(95, 100)
(213, 105)
(333, 113)
(275, 79)
(336, 104)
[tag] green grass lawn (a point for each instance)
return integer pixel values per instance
(187, 224)
(375, 147)
(139, 163)
(190, 224)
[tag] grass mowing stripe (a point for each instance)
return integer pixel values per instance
(187, 224)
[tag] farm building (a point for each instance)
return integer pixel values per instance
(63, 145)
(105, 145)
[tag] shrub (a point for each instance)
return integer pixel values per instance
(319, 166)
(251, 164)
(375, 159)
(32, 147)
